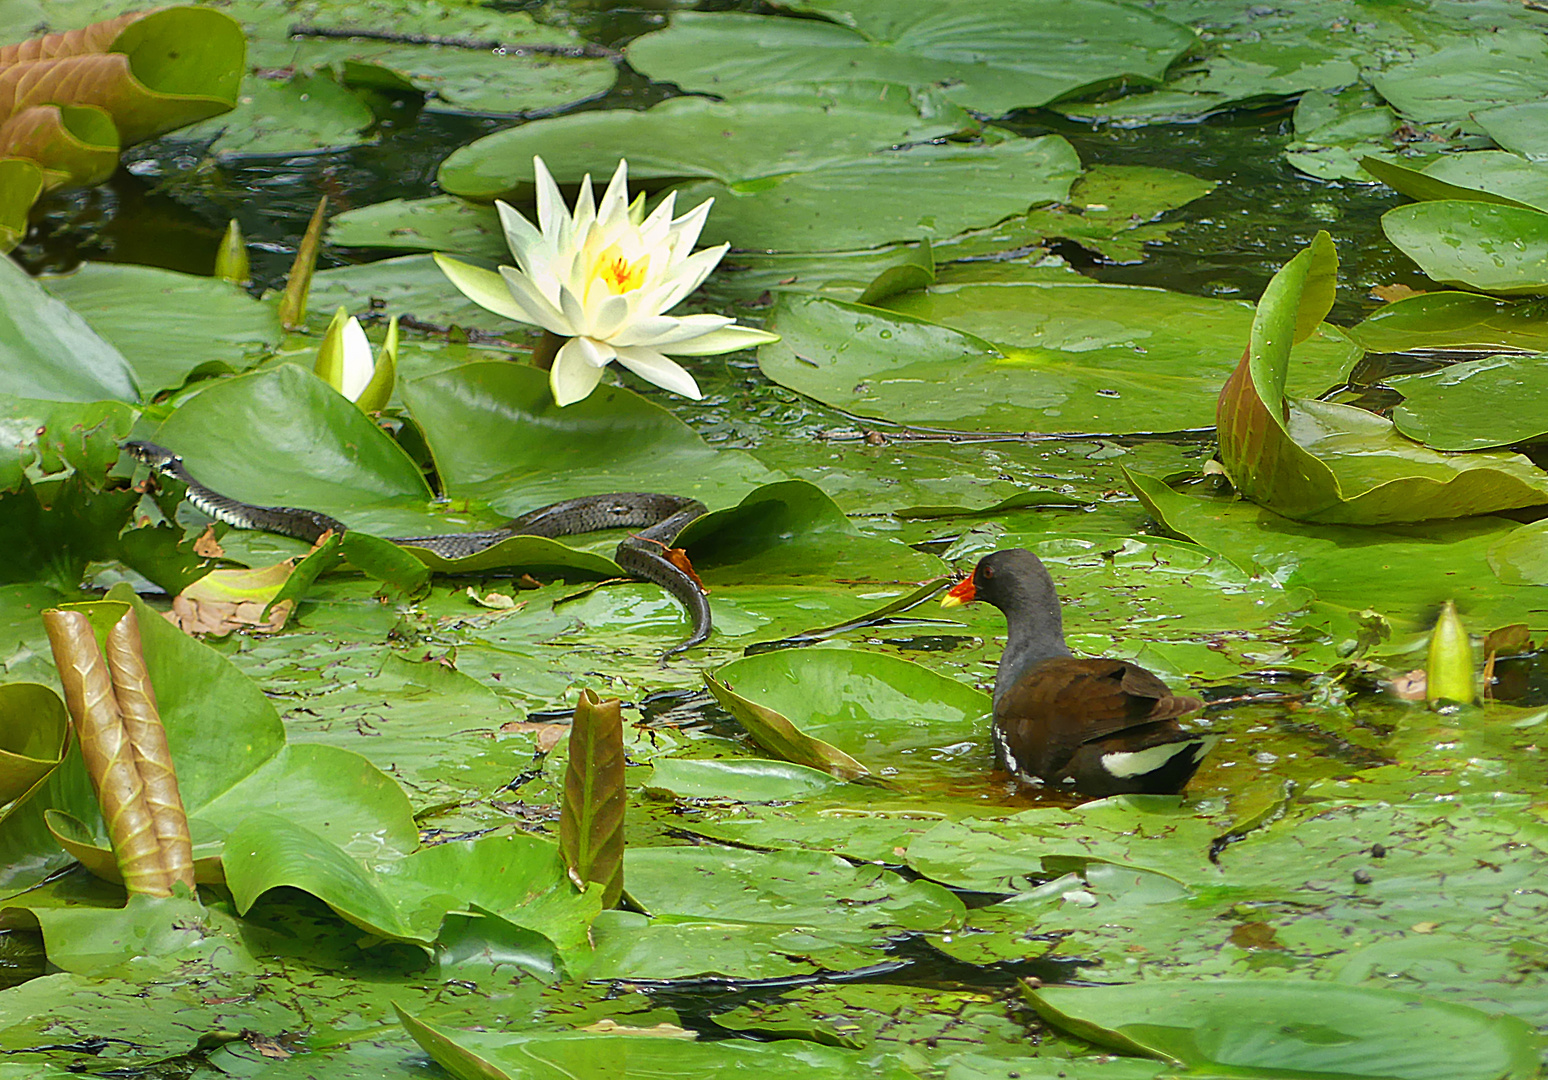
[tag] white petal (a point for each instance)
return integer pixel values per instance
(591, 351)
(572, 378)
(688, 276)
(722, 341)
(553, 215)
(686, 229)
(484, 287)
(650, 365)
(585, 206)
(521, 236)
(609, 315)
(524, 297)
(358, 364)
(615, 200)
(658, 226)
(660, 331)
(574, 311)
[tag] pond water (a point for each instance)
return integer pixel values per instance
(1338, 839)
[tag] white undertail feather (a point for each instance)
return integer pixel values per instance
(1139, 762)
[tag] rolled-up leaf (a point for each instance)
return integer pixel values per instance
(72, 144)
(159, 71)
(87, 39)
(298, 283)
(106, 750)
(142, 722)
(591, 814)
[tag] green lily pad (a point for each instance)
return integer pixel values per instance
(518, 877)
(1518, 128)
(1404, 572)
(1319, 1029)
(497, 436)
(21, 183)
(1482, 176)
(1468, 74)
(439, 223)
(1019, 55)
(801, 128)
(412, 285)
(37, 331)
(483, 1055)
(283, 437)
(169, 325)
(253, 770)
(745, 781)
(876, 708)
(1474, 405)
(1491, 248)
(1031, 357)
(904, 194)
(1441, 320)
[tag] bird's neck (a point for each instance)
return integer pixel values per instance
(1035, 633)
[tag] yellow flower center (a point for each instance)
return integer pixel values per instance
(618, 273)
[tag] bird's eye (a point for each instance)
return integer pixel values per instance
(986, 571)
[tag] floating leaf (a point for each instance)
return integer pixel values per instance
(1020, 54)
(775, 734)
(1475, 245)
(1441, 320)
(1476, 404)
(802, 128)
(1077, 357)
(1319, 1029)
(872, 708)
(33, 729)
(36, 331)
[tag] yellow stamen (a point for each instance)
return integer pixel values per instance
(618, 273)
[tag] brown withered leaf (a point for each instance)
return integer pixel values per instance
(1394, 292)
(548, 735)
(206, 546)
(226, 600)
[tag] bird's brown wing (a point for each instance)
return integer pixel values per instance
(1064, 702)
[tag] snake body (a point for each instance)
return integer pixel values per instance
(659, 519)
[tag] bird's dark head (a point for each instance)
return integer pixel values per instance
(1014, 578)
(1016, 582)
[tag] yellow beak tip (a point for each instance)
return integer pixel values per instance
(950, 601)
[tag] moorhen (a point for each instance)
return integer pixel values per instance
(1101, 727)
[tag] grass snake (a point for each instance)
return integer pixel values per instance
(642, 554)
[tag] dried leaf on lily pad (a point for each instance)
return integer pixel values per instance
(226, 600)
(776, 735)
(591, 815)
(1317, 461)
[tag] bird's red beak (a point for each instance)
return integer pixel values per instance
(960, 593)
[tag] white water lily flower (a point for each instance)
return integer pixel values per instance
(345, 363)
(603, 277)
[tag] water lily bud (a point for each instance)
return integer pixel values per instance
(1449, 669)
(231, 262)
(344, 362)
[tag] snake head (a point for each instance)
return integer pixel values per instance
(148, 453)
